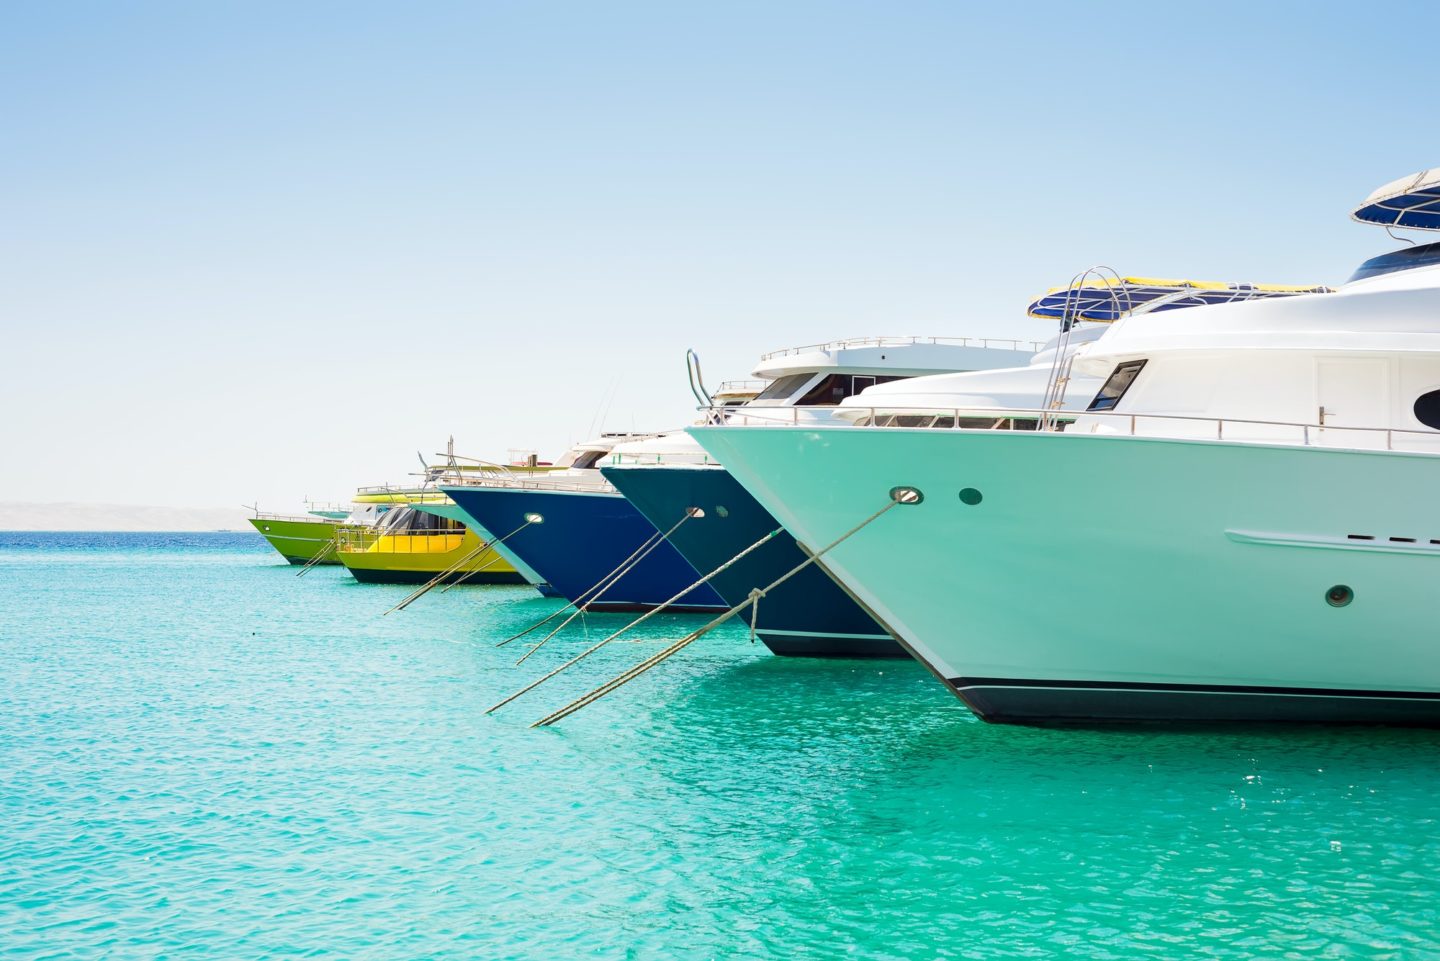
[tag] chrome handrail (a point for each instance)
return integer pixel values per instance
(1034, 346)
(355, 540)
(739, 386)
(302, 518)
(1130, 420)
(598, 486)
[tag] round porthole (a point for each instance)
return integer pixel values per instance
(971, 496)
(267, 527)
(1339, 596)
(721, 510)
(906, 495)
(1427, 409)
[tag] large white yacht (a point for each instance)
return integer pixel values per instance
(1242, 525)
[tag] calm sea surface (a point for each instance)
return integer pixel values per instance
(205, 756)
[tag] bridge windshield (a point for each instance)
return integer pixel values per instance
(1405, 259)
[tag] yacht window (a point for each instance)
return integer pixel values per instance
(587, 459)
(1422, 256)
(784, 387)
(1427, 409)
(835, 388)
(394, 520)
(830, 390)
(1120, 380)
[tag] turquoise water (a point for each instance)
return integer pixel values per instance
(205, 756)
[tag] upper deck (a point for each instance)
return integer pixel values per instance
(897, 356)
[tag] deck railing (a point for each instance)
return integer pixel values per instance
(298, 518)
(599, 485)
(741, 386)
(1034, 346)
(1160, 426)
(410, 541)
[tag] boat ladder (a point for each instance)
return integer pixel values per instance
(1099, 277)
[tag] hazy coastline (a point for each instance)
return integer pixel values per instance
(72, 516)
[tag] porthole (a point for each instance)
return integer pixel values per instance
(1427, 409)
(1339, 596)
(906, 495)
(721, 510)
(971, 496)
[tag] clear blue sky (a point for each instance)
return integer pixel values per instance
(267, 250)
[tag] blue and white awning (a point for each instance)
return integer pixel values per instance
(1412, 202)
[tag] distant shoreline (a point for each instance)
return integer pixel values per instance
(129, 530)
(58, 517)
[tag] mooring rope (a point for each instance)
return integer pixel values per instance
(584, 597)
(320, 555)
(593, 594)
(614, 580)
(630, 674)
(469, 574)
(430, 584)
(417, 594)
(635, 623)
(626, 566)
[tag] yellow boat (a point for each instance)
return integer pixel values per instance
(412, 547)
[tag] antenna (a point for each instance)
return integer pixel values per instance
(1393, 236)
(599, 414)
(609, 400)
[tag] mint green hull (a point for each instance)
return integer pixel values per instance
(1117, 578)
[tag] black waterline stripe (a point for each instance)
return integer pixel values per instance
(968, 682)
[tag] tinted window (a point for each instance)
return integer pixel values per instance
(830, 390)
(784, 387)
(1398, 260)
(835, 388)
(1120, 380)
(1427, 409)
(587, 459)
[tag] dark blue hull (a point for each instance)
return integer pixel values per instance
(584, 538)
(808, 616)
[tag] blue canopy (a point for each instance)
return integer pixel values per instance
(1106, 299)
(1412, 202)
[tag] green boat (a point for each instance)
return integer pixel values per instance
(299, 539)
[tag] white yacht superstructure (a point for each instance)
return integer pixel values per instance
(1240, 526)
